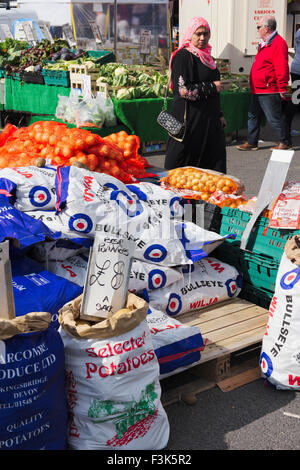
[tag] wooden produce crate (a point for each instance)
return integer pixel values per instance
(77, 74)
(105, 89)
(224, 65)
(230, 328)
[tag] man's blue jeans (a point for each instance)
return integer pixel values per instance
(270, 106)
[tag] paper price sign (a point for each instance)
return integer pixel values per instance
(45, 31)
(5, 31)
(7, 306)
(145, 41)
(96, 32)
(107, 279)
(68, 32)
(29, 31)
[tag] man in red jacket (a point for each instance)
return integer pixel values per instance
(269, 78)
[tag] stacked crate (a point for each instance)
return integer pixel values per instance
(260, 261)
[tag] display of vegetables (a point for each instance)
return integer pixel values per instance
(61, 64)
(197, 183)
(11, 52)
(54, 143)
(34, 56)
(128, 82)
(130, 145)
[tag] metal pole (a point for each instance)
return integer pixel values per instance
(115, 28)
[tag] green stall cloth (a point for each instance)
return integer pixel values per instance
(235, 106)
(140, 115)
(103, 131)
(32, 98)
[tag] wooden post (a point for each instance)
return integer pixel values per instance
(115, 27)
(7, 305)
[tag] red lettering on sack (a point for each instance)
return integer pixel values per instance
(120, 368)
(201, 303)
(273, 306)
(23, 173)
(87, 183)
(72, 402)
(119, 348)
(293, 380)
(91, 368)
(69, 269)
(217, 266)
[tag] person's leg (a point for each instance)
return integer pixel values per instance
(255, 115)
(291, 108)
(272, 108)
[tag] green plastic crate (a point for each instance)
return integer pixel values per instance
(258, 270)
(103, 57)
(262, 239)
(260, 297)
(56, 77)
(14, 76)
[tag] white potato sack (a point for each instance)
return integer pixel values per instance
(280, 356)
(113, 388)
(34, 187)
(205, 283)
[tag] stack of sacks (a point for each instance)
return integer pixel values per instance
(86, 203)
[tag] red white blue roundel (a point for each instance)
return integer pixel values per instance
(39, 196)
(81, 223)
(157, 279)
(266, 364)
(111, 186)
(130, 206)
(231, 287)
(174, 305)
(176, 208)
(290, 279)
(155, 253)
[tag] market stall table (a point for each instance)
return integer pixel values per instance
(137, 115)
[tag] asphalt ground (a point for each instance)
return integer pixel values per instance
(252, 417)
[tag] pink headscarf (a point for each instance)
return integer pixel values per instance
(203, 54)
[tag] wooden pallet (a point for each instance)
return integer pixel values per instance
(234, 328)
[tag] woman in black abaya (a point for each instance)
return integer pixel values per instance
(196, 85)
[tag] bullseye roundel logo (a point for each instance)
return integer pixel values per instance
(174, 305)
(155, 253)
(111, 186)
(39, 196)
(231, 287)
(131, 207)
(266, 364)
(175, 207)
(157, 279)
(81, 223)
(290, 279)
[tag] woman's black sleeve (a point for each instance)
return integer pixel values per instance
(183, 80)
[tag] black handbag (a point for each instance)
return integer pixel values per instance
(175, 128)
